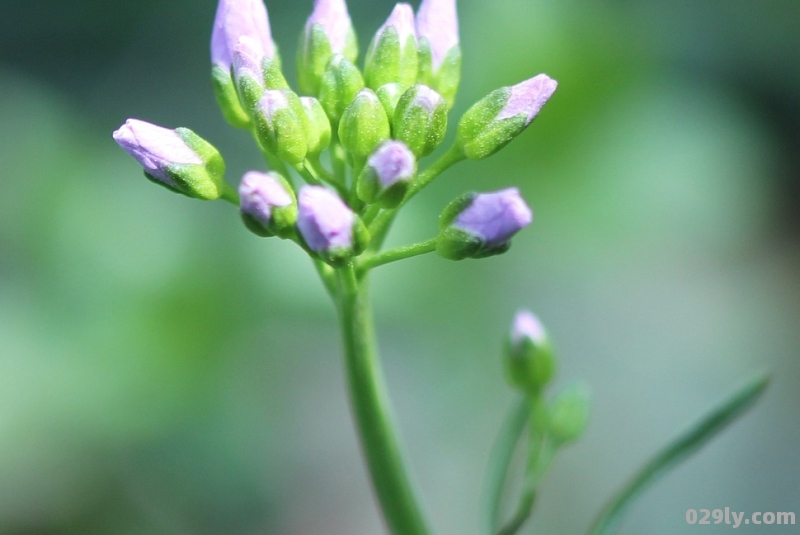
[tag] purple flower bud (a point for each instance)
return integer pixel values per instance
(528, 97)
(437, 22)
(387, 174)
(155, 148)
(392, 162)
(334, 19)
(324, 220)
(267, 204)
(527, 327)
(272, 102)
(235, 19)
(402, 18)
(260, 193)
(495, 217)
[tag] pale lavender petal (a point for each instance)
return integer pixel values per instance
(235, 19)
(527, 326)
(426, 98)
(528, 97)
(324, 220)
(495, 217)
(248, 59)
(402, 18)
(392, 162)
(154, 147)
(259, 193)
(271, 102)
(332, 15)
(437, 21)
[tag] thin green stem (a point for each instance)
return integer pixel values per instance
(685, 445)
(393, 255)
(381, 225)
(372, 212)
(372, 411)
(229, 194)
(339, 162)
(499, 462)
(307, 175)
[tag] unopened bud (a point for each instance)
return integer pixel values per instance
(440, 53)
(267, 203)
(234, 20)
(282, 125)
(328, 227)
(364, 125)
(388, 172)
(530, 361)
(420, 119)
(502, 115)
(477, 225)
(392, 54)
(328, 32)
(340, 84)
(179, 159)
(569, 414)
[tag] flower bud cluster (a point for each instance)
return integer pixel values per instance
(371, 125)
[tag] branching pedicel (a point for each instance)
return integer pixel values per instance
(355, 139)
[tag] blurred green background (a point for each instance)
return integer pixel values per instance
(163, 371)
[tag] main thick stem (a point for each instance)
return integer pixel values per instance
(372, 411)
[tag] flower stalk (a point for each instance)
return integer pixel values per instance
(372, 410)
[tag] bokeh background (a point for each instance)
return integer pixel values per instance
(163, 371)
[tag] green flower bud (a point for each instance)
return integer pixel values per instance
(179, 159)
(530, 361)
(389, 95)
(328, 32)
(499, 117)
(282, 125)
(267, 203)
(392, 54)
(569, 414)
(420, 119)
(364, 125)
(318, 135)
(339, 86)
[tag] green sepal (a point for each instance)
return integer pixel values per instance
(447, 78)
(340, 84)
(421, 129)
(318, 134)
(273, 75)
(480, 134)
(364, 125)
(228, 99)
(389, 95)
(390, 61)
(201, 181)
(313, 55)
(285, 134)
